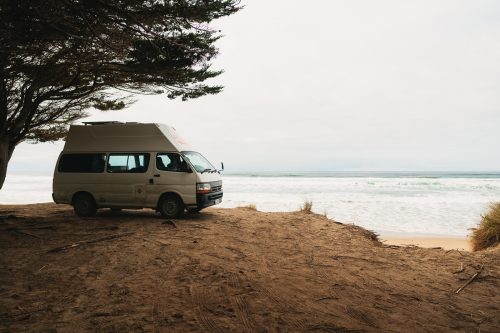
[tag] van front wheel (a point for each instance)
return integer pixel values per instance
(170, 206)
(84, 205)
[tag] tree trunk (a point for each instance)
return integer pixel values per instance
(6, 150)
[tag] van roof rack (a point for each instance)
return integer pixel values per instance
(101, 122)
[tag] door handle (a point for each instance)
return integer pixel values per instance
(157, 175)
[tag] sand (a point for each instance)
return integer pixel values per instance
(447, 243)
(231, 270)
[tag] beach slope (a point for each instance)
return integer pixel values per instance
(231, 270)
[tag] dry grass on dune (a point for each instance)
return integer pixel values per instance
(250, 206)
(487, 234)
(307, 207)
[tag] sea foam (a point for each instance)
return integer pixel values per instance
(435, 204)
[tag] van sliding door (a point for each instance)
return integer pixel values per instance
(127, 176)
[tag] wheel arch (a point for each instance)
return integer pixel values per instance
(168, 193)
(77, 193)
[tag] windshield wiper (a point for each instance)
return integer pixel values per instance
(207, 170)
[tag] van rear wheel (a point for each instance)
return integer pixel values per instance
(170, 206)
(84, 205)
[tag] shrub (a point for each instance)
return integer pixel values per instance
(250, 206)
(306, 207)
(488, 231)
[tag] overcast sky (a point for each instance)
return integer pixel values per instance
(341, 85)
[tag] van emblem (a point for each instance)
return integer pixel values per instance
(139, 191)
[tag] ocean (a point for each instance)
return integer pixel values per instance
(433, 204)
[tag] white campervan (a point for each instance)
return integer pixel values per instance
(133, 165)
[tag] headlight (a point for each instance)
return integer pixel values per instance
(202, 188)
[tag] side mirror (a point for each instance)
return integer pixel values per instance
(222, 165)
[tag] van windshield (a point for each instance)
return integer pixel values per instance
(200, 163)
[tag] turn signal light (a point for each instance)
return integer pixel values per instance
(203, 188)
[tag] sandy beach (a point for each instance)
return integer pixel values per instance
(231, 270)
(447, 243)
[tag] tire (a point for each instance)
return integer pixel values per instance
(170, 206)
(84, 205)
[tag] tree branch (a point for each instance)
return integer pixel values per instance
(3, 104)
(24, 114)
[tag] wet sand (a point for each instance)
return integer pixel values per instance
(231, 270)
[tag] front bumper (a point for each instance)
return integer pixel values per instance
(209, 199)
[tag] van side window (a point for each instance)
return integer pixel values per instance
(171, 162)
(83, 163)
(128, 163)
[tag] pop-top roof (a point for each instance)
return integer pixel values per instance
(115, 136)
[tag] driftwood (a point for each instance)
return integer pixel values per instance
(454, 250)
(462, 268)
(326, 297)
(12, 228)
(53, 227)
(470, 280)
(42, 268)
(27, 233)
(69, 246)
(7, 216)
(20, 232)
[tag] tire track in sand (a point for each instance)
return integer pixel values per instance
(199, 299)
(241, 308)
(288, 306)
(239, 303)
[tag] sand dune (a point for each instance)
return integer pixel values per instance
(231, 270)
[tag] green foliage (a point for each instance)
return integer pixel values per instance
(487, 234)
(60, 57)
(106, 105)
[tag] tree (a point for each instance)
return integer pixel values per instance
(58, 58)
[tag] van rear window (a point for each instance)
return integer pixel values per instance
(128, 163)
(86, 163)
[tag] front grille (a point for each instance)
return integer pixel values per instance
(215, 196)
(216, 188)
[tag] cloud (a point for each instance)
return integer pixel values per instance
(363, 85)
